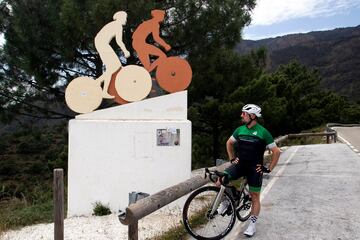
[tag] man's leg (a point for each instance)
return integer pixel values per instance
(255, 208)
(112, 64)
(107, 79)
(145, 51)
(255, 181)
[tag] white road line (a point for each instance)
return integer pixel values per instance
(307, 175)
(348, 143)
(343, 139)
(276, 177)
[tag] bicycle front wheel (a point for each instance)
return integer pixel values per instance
(133, 83)
(197, 216)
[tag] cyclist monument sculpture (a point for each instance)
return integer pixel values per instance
(132, 82)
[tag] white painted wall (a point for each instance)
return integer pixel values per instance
(110, 158)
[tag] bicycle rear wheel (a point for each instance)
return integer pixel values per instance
(243, 211)
(83, 95)
(197, 211)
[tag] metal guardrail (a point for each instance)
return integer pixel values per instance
(330, 134)
(150, 204)
(330, 125)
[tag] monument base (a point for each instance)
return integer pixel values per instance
(110, 159)
(137, 147)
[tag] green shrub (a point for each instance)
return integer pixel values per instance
(30, 146)
(37, 167)
(100, 209)
(17, 213)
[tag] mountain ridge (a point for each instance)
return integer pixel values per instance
(335, 53)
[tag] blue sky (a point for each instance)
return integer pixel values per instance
(272, 18)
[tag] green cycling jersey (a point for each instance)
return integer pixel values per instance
(250, 143)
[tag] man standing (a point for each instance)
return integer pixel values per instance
(107, 54)
(247, 146)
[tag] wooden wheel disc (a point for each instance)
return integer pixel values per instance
(174, 74)
(83, 95)
(133, 83)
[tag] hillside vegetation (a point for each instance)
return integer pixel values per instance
(28, 158)
(334, 53)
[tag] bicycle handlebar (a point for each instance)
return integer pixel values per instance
(223, 177)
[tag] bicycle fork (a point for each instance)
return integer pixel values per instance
(217, 200)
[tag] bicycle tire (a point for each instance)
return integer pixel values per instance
(196, 219)
(243, 211)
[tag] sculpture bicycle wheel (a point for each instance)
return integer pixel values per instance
(173, 74)
(112, 91)
(83, 95)
(133, 83)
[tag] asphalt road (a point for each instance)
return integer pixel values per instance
(351, 135)
(313, 193)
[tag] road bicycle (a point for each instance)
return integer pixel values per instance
(129, 84)
(204, 217)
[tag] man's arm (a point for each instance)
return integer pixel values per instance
(230, 148)
(274, 158)
(159, 40)
(121, 44)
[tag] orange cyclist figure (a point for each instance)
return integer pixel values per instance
(144, 49)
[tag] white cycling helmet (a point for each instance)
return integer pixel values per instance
(252, 109)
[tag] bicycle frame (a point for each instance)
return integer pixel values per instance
(235, 196)
(217, 200)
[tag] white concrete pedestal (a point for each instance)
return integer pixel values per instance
(115, 151)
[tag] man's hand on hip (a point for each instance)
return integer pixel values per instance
(234, 160)
(262, 169)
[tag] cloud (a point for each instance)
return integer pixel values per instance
(269, 12)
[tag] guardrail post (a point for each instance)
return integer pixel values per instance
(327, 139)
(58, 196)
(133, 231)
